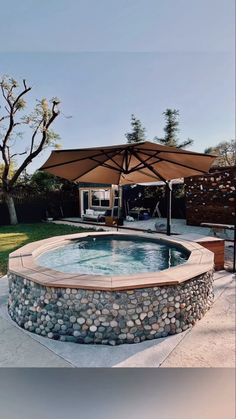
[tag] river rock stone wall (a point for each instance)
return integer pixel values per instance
(108, 317)
(211, 198)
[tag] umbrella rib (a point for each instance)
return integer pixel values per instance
(87, 171)
(140, 164)
(179, 151)
(181, 164)
(110, 158)
(70, 161)
(106, 165)
(75, 160)
(149, 167)
(101, 164)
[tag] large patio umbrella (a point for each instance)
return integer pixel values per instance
(128, 164)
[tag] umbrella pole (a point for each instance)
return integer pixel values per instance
(168, 193)
(118, 209)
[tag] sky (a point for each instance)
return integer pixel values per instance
(108, 59)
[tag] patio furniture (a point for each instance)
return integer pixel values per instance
(111, 221)
(93, 215)
(157, 210)
(140, 213)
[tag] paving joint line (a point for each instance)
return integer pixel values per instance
(189, 330)
(13, 324)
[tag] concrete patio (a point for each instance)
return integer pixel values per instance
(210, 343)
(178, 226)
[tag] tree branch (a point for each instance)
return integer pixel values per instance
(33, 154)
(26, 90)
(34, 135)
(18, 154)
(12, 110)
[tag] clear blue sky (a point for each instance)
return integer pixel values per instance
(107, 59)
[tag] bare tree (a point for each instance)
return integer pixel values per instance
(225, 152)
(38, 124)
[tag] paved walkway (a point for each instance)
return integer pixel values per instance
(211, 343)
(178, 226)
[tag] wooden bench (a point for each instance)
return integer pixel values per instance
(218, 228)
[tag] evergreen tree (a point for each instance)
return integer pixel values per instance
(138, 133)
(171, 130)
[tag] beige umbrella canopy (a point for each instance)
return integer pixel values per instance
(128, 164)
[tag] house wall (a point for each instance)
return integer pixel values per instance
(211, 198)
(90, 187)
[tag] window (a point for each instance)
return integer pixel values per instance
(100, 198)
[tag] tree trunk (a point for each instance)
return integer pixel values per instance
(11, 209)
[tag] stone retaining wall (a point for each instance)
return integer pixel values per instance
(108, 317)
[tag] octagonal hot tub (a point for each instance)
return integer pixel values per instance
(109, 288)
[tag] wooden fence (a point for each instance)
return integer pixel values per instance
(34, 206)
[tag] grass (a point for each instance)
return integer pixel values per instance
(13, 237)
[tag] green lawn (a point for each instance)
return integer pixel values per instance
(13, 237)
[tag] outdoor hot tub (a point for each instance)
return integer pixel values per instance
(109, 288)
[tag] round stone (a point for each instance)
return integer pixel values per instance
(80, 320)
(155, 326)
(116, 306)
(130, 323)
(105, 311)
(122, 336)
(147, 327)
(93, 328)
(72, 319)
(113, 323)
(130, 336)
(84, 301)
